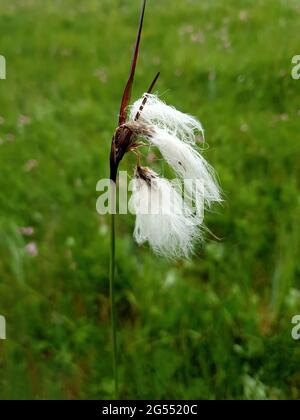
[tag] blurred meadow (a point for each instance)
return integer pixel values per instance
(215, 327)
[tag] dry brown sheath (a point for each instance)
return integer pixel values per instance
(124, 136)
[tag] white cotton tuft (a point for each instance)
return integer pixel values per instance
(171, 232)
(155, 112)
(162, 218)
(188, 164)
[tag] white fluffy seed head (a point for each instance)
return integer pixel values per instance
(161, 115)
(171, 226)
(187, 163)
(162, 217)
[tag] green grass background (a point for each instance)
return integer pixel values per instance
(218, 326)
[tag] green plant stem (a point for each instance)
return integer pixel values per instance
(112, 271)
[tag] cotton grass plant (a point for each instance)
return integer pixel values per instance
(169, 216)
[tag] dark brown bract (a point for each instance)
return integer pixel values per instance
(146, 174)
(125, 140)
